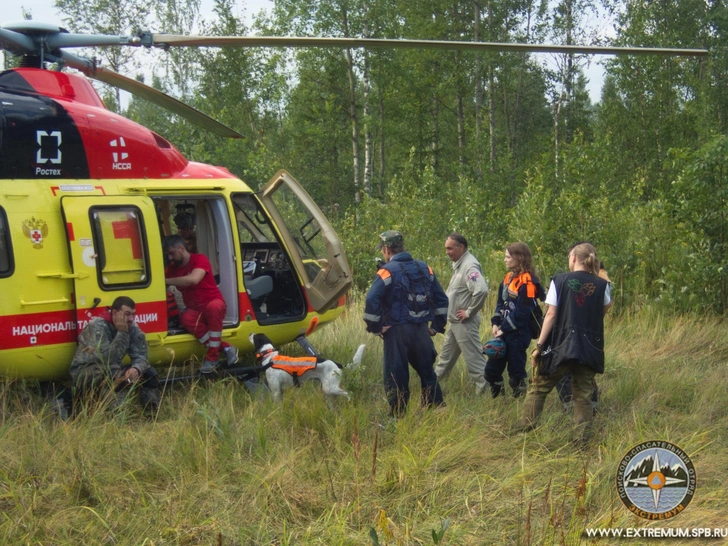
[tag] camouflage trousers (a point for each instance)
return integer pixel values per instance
(582, 387)
(105, 385)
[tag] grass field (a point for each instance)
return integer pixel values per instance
(221, 466)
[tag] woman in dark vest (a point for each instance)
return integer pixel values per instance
(574, 329)
(516, 301)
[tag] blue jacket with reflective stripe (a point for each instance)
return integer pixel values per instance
(388, 303)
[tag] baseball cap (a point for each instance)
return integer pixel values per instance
(390, 238)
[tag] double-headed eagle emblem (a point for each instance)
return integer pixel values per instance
(36, 231)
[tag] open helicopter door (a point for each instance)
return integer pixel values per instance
(316, 251)
(115, 249)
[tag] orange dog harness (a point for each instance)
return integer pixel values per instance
(295, 366)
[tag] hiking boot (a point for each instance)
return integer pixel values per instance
(149, 399)
(519, 428)
(496, 388)
(519, 387)
(209, 366)
(60, 408)
(231, 354)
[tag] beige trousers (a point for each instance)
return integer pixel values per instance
(463, 338)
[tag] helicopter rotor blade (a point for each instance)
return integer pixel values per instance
(171, 40)
(16, 43)
(146, 92)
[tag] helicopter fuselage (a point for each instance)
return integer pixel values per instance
(86, 199)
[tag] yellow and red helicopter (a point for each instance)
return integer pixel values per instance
(87, 196)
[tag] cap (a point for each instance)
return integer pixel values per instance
(389, 239)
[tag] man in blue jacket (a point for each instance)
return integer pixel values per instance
(406, 306)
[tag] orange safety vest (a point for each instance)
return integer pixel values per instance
(514, 282)
(294, 365)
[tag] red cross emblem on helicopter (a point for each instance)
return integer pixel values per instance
(35, 230)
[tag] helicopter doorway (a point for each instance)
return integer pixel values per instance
(284, 236)
(204, 223)
(271, 284)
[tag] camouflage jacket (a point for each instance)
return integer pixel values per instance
(101, 344)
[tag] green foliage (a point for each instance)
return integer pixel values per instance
(700, 193)
(439, 534)
(426, 210)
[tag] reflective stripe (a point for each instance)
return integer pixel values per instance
(214, 334)
(204, 338)
(419, 298)
(213, 344)
(508, 318)
(372, 318)
(420, 314)
(441, 311)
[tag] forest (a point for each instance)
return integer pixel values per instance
(498, 146)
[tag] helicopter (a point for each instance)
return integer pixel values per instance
(87, 197)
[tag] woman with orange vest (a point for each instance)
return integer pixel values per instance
(516, 300)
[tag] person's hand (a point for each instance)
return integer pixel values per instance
(462, 314)
(120, 322)
(498, 332)
(495, 330)
(131, 375)
(432, 332)
(536, 357)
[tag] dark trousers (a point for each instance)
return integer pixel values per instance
(409, 344)
(515, 360)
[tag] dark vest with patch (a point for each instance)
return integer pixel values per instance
(578, 333)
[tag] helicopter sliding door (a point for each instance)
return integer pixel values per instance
(111, 244)
(316, 251)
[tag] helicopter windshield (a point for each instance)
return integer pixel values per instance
(253, 225)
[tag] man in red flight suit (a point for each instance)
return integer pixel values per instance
(205, 306)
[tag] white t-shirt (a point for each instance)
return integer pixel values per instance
(552, 298)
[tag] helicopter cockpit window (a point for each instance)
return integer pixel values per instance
(253, 225)
(305, 230)
(121, 253)
(6, 253)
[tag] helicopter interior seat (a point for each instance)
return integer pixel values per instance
(259, 287)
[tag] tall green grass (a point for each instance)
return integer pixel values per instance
(219, 465)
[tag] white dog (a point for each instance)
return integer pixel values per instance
(283, 372)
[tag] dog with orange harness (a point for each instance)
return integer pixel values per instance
(283, 372)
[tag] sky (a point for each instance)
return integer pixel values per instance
(43, 11)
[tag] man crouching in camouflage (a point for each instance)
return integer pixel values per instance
(103, 343)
